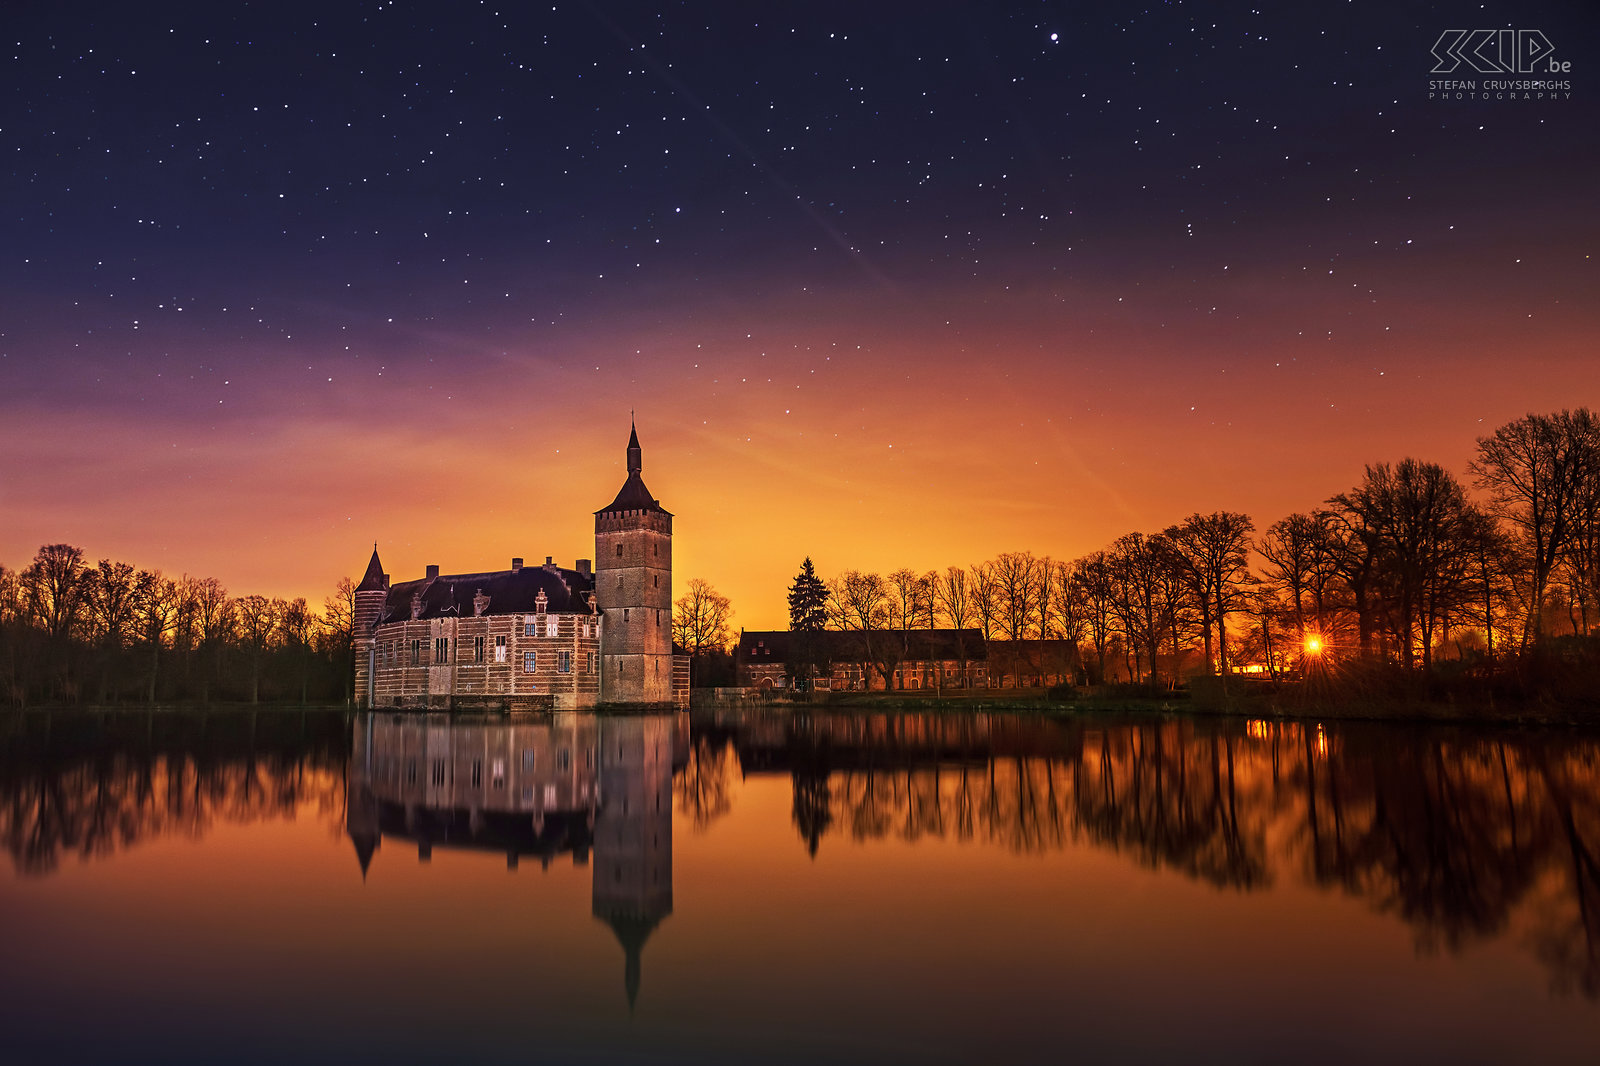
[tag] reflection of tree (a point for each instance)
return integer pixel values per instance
(95, 796)
(701, 788)
(1174, 800)
(1456, 833)
(812, 803)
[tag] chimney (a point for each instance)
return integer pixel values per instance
(433, 570)
(549, 563)
(583, 566)
(516, 563)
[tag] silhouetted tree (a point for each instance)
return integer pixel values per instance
(1538, 471)
(1212, 550)
(808, 617)
(700, 620)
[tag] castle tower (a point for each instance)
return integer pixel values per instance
(369, 596)
(633, 588)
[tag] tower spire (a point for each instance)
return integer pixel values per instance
(635, 455)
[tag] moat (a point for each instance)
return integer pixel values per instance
(335, 887)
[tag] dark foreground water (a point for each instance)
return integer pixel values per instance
(326, 888)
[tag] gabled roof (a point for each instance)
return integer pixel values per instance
(917, 645)
(509, 591)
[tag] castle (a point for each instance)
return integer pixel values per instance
(532, 637)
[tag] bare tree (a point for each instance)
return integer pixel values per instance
(158, 603)
(985, 599)
(338, 618)
(110, 600)
(1422, 525)
(257, 620)
(952, 598)
(1017, 584)
(1212, 549)
(700, 620)
(1097, 580)
(214, 618)
(1537, 470)
(54, 591)
(862, 603)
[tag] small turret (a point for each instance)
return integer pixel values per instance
(370, 596)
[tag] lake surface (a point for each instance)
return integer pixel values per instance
(325, 887)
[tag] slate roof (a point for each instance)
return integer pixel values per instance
(372, 580)
(633, 496)
(509, 592)
(764, 646)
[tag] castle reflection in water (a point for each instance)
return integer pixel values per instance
(530, 786)
(1468, 836)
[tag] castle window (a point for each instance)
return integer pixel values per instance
(564, 662)
(441, 649)
(592, 657)
(551, 627)
(531, 629)
(416, 652)
(619, 551)
(655, 581)
(477, 649)
(624, 614)
(500, 649)
(530, 661)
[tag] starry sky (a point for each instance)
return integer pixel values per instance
(886, 284)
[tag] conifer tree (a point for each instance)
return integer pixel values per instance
(808, 653)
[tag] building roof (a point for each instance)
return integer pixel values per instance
(372, 580)
(633, 496)
(772, 645)
(509, 591)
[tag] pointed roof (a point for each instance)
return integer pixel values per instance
(634, 496)
(366, 844)
(631, 930)
(372, 580)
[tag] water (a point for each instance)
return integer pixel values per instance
(329, 888)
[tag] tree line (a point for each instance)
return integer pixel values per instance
(1405, 568)
(112, 632)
